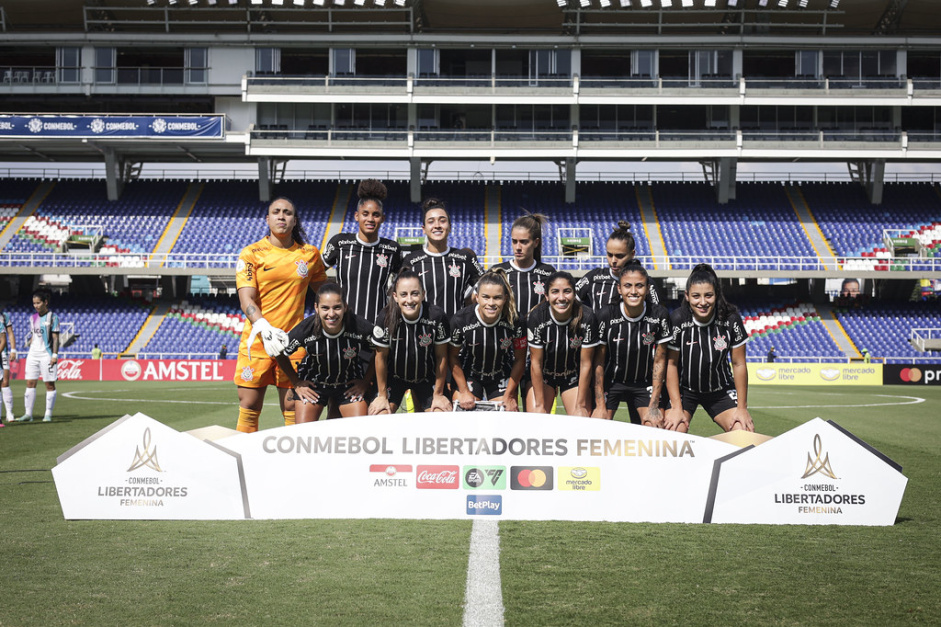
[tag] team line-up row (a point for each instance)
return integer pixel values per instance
(429, 320)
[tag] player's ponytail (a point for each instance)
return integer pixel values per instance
(533, 223)
(371, 190)
(498, 277)
(623, 234)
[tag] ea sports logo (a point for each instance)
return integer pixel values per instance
(910, 375)
(131, 370)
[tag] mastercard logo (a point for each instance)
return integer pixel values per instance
(910, 375)
(531, 478)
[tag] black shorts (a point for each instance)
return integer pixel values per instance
(562, 383)
(487, 389)
(327, 393)
(422, 392)
(635, 396)
(713, 402)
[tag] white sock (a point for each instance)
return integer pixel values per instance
(50, 401)
(29, 397)
(8, 400)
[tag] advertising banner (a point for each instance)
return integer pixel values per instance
(814, 374)
(144, 369)
(922, 374)
(815, 474)
(113, 126)
(140, 469)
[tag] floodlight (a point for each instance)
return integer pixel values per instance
(192, 2)
(256, 1)
(646, 3)
(299, 3)
(380, 3)
(563, 3)
(710, 3)
(211, 3)
(319, 3)
(339, 2)
(604, 3)
(172, 1)
(278, 2)
(359, 3)
(666, 4)
(151, 2)
(762, 3)
(834, 4)
(687, 3)
(803, 4)
(585, 3)
(782, 4)
(733, 3)
(625, 3)
(400, 3)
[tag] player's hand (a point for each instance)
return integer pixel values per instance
(305, 393)
(274, 339)
(466, 400)
(582, 411)
(742, 420)
(674, 419)
(380, 405)
(600, 412)
(510, 403)
(356, 391)
(654, 418)
(439, 402)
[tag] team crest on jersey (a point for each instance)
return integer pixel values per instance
(301, 268)
(248, 373)
(382, 261)
(349, 353)
(720, 343)
(506, 343)
(648, 338)
(454, 270)
(539, 287)
(424, 339)
(575, 342)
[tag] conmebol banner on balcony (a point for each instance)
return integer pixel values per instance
(88, 126)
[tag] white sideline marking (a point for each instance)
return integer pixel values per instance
(912, 400)
(483, 598)
(77, 396)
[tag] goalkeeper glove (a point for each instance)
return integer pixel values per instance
(275, 340)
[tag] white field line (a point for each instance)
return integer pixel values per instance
(79, 396)
(483, 598)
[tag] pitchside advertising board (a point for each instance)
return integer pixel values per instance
(922, 374)
(512, 466)
(144, 369)
(814, 374)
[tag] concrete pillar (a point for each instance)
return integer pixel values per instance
(264, 179)
(114, 173)
(414, 164)
(725, 179)
(570, 181)
(875, 180)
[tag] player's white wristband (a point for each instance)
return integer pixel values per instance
(55, 355)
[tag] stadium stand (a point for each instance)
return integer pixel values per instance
(198, 327)
(884, 328)
(794, 330)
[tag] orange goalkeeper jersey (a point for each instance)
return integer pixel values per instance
(281, 276)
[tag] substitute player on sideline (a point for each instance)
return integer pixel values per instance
(333, 337)
(43, 357)
(487, 355)
(7, 357)
(707, 331)
(632, 358)
(562, 339)
(599, 287)
(448, 275)
(272, 277)
(365, 261)
(411, 339)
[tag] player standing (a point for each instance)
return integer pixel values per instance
(525, 272)
(448, 275)
(272, 277)
(43, 356)
(333, 338)
(632, 358)
(562, 340)
(7, 357)
(707, 332)
(411, 339)
(365, 261)
(488, 346)
(599, 287)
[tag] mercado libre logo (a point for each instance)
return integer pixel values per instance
(818, 463)
(146, 457)
(531, 477)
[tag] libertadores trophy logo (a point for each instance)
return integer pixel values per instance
(816, 464)
(146, 458)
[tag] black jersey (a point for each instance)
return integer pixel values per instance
(528, 284)
(486, 351)
(412, 350)
(599, 288)
(363, 271)
(331, 359)
(447, 278)
(560, 345)
(705, 349)
(632, 342)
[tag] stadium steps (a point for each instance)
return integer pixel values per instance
(492, 220)
(809, 223)
(837, 332)
(648, 215)
(175, 226)
(28, 209)
(149, 328)
(341, 201)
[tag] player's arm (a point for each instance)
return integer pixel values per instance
(380, 404)
(600, 411)
(586, 362)
(11, 342)
(359, 387)
(54, 346)
(463, 395)
(539, 383)
(439, 402)
(675, 416)
(516, 374)
(658, 376)
(275, 340)
(302, 389)
(741, 418)
(3, 344)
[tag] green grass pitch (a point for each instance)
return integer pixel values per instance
(394, 572)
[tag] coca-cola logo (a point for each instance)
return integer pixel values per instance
(70, 369)
(437, 478)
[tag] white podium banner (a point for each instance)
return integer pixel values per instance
(140, 469)
(815, 474)
(514, 466)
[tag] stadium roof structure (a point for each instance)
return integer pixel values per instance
(562, 81)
